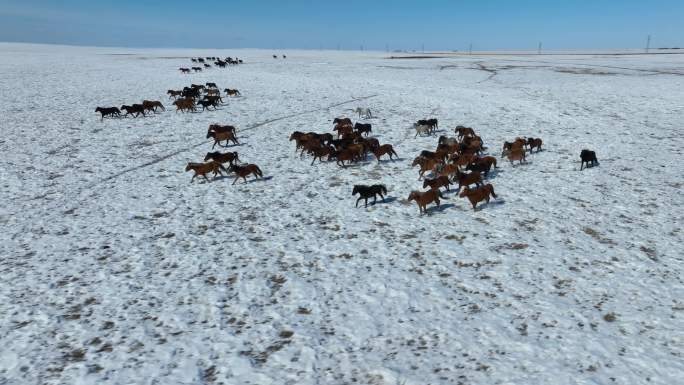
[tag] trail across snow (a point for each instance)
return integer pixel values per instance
(115, 269)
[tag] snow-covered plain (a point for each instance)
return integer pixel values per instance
(114, 269)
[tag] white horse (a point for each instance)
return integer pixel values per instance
(365, 112)
(422, 129)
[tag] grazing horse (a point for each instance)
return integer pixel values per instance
(228, 157)
(424, 198)
(534, 142)
(187, 104)
(136, 109)
(107, 111)
(152, 105)
(204, 168)
(467, 179)
(365, 112)
(436, 183)
(244, 171)
(221, 136)
(211, 85)
(517, 154)
(232, 92)
(478, 195)
(366, 192)
(363, 128)
(588, 156)
(384, 149)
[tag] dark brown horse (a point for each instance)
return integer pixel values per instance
(384, 149)
(228, 157)
(108, 111)
(152, 105)
(436, 183)
(136, 109)
(588, 157)
(244, 171)
(534, 143)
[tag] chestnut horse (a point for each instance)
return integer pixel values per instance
(221, 136)
(187, 104)
(424, 198)
(517, 154)
(243, 171)
(479, 194)
(468, 179)
(204, 168)
(384, 149)
(436, 183)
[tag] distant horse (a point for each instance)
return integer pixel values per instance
(197, 69)
(108, 111)
(422, 129)
(366, 192)
(244, 171)
(479, 194)
(425, 198)
(221, 136)
(208, 103)
(211, 85)
(363, 112)
(184, 70)
(232, 92)
(202, 169)
(187, 104)
(463, 131)
(588, 157)
(363, 128)
(534, 143)
(343, 121)
(174, 94)
(136, 109)
(152, 105)
(228, 157)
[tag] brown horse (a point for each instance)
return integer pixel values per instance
(479, 194)
(343, 121)
(518, 143)
(468, 179)
(343, 128)
(424, 198)
(136, 109)
(517, 154)
(436, 183)
(320, 152)
(204, 168)
(228, 157)
(187, 104)
(221, 136)
(232, 92)
(534, 143)
(174, 94)
(426, 164)
(447, 170)
(220, 128)
(384, 149)
(152, 105)
(244, 171)
(344, 155)
(464, 131)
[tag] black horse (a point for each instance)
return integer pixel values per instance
(106, 111)
(363, 128)
(588, 156)
(136, 109)
(366, 192)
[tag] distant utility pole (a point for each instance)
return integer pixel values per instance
(648, 43)
(539, 48)
(470, 49)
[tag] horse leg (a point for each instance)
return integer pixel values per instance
(236, 179)
(357, 202)
(365, 202)
(205, 177)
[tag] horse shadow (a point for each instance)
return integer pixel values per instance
(440, 208)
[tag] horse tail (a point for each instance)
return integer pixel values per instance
(383, 188)
(258, 171)
(491, 190)
(394, 152)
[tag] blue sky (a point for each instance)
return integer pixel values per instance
(401, 24)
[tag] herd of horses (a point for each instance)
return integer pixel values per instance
(214, 162)
(458, 160)
(218, 62)
(134, 110)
